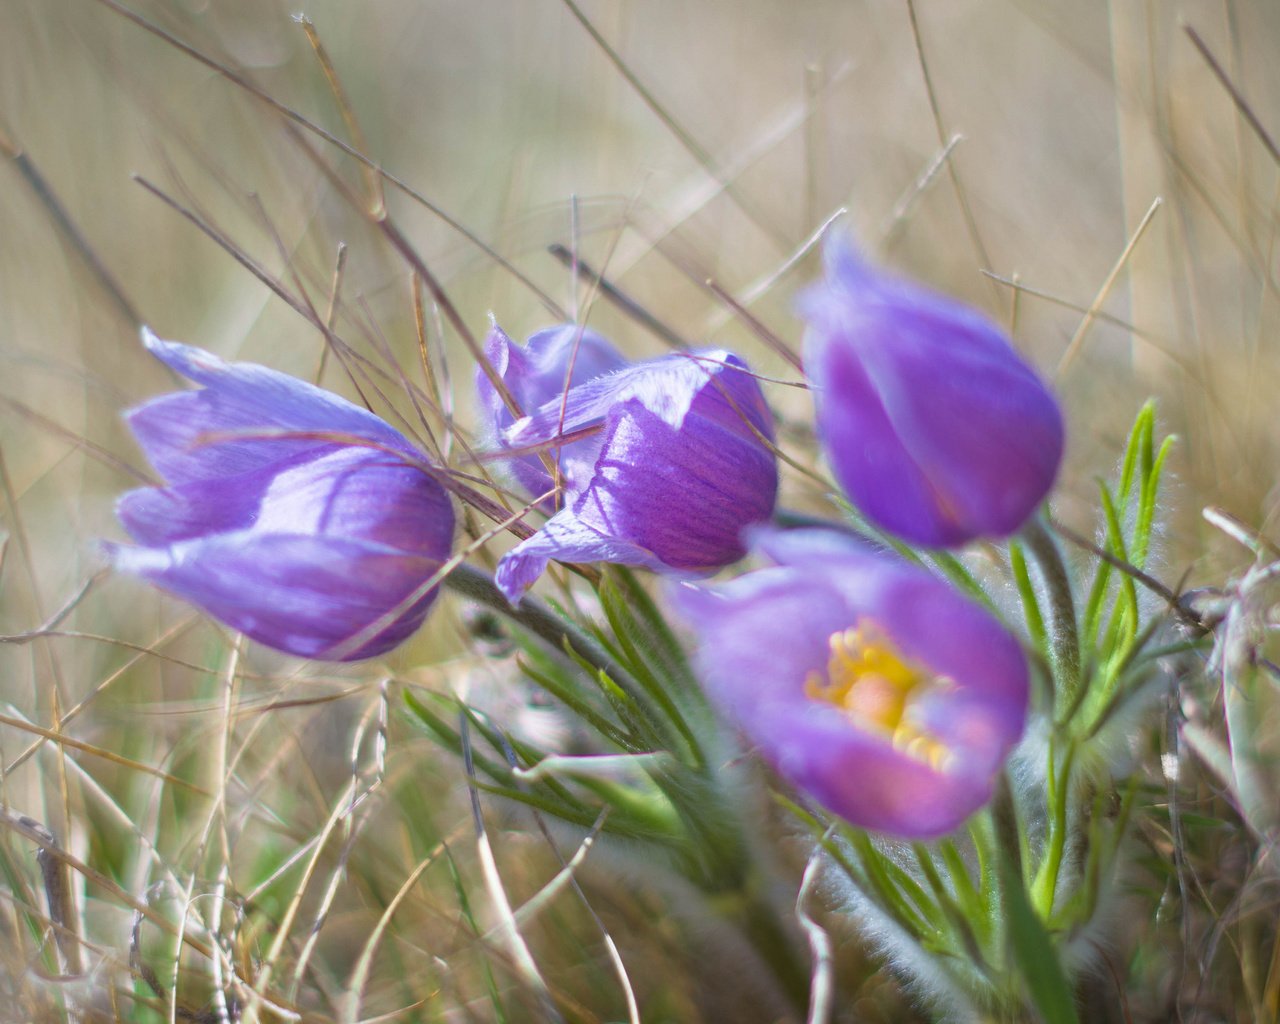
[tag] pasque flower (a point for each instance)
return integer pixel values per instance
(871, 685)
(934, 426)
(288, 513)
(668, 460)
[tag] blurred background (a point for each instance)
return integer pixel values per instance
(1081, 171)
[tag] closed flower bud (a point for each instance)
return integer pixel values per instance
(288, 513)
(874, 687)
(934, 426)
(670, 460)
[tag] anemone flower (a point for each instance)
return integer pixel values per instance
(288, 513)
(663, 462)
(934, 426)
(872, 686)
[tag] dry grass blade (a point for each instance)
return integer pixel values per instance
(356, 981)
(796, 257)
(618, 297)
(20, 824)
(373, 178)
(68, 229)
(331, 314)
(107, 755)
(107, 458)
(508, 927)
(1246, 110)
(944, 137)
(97, 691)
(821, 988)
(244, 82)
(900, 215)
(694, 148)
(1077, 339)
(284, 926)
(755, 325)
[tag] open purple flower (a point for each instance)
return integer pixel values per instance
(935, 427)
(670, 460)
(290, 514)
(871, 685)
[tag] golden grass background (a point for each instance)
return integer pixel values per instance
(1006, 152)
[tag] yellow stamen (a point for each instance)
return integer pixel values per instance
(873, 684)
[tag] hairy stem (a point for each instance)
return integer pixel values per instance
(1065, 635)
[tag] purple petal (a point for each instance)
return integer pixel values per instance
(163, 515)
(867, 782)
(241, 398)
(760, 636)
(536, 374)
(667, 387)
(662, 497)
(869, 459)
(314, 597)
(360, 493)
(566, 538)
(320, 548)
(538, 371)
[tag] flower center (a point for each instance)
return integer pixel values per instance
(873, 684)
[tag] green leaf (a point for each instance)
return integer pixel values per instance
(1139, 446)
(556, 685)
(448, 736)
(896, 891)
(1030, 604)
(1033, 954)
(1116, 545)
(635, 642)
(954, 570)
(1147, 503)
(966, 892)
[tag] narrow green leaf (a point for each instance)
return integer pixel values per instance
(632, 638)
(1033, 953)
(906, 903)
(1147, 503)
(1030, 603)
(448, 736)
(661, 644)
(1116, 544)
(1093, 606)
(572, 700)
(955, 570)
(1139, 439)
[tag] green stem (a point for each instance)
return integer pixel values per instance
(1004, 814)
(1065, 635)
(1046, 883)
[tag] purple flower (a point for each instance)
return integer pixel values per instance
(317, 541)
(536, 374)
(871, 685)
(933, 425)
(671, 460)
